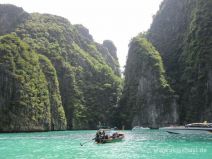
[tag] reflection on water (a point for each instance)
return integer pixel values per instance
(147, 144)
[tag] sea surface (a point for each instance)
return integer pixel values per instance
(146, 144)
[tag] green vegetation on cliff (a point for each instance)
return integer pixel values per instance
(197, 65)
(182, 34)
(147, 93)
(54, 76)
(181, 31)
(81, 76)
(58, 120)
(25, 99)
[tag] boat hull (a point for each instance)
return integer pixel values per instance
(113, 140)
(188, 130)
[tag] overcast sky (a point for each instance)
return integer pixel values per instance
(116, 20)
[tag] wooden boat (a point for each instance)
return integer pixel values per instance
(108, 136)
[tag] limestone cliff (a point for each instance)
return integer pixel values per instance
(181, 32)
(81, 76)
(147, 93)
(26, 96)
(10, 17)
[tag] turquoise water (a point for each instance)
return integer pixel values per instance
(148, 144)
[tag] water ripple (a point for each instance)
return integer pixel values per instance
(148, 144)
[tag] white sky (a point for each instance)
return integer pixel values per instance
(116, 20)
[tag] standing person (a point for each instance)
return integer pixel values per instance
(103, 134)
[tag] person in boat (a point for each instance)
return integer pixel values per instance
(115, 135)
(106, 137)
(103, 134)
(100, 136)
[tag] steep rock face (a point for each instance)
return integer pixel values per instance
(11, 17)
(181, 31)
(146, 91)
(58, 120)
(98, 79)
(109, 53)
(168, 32)
(111, 48)
(79, 72)
(25, 98)
(105, 51)
(197, 60)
